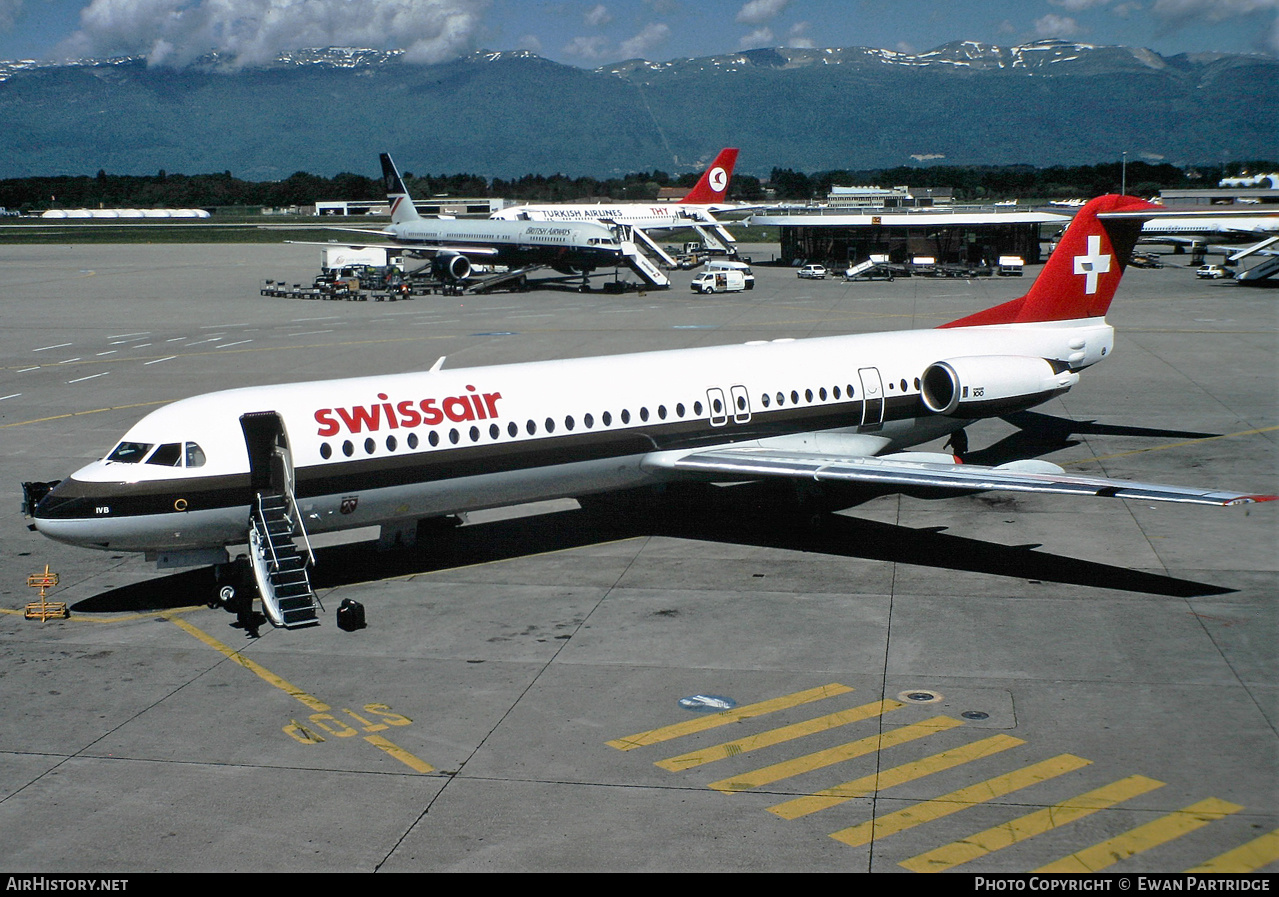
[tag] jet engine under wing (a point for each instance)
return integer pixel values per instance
(920, 470)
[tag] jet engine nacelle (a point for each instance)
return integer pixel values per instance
(450, 266)
(990, 385)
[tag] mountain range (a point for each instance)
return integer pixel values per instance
(507, 114)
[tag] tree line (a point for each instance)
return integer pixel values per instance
(969, 183)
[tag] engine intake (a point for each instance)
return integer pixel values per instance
(991, 385)
(451, 266)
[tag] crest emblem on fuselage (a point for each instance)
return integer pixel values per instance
(348, 504)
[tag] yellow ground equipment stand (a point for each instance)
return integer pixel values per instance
(42, 609)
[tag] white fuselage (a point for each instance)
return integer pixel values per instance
(645, 216)
(382, 449)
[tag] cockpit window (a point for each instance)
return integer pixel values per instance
(130, 452)
(195, 455)
(167, 455)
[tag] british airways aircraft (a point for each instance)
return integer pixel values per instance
(267, 465)
(455, 245)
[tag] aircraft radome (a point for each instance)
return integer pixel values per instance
(268, 464)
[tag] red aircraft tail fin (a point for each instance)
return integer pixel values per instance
(713, 185)
(1080, 277)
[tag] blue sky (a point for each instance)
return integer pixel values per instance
(590, 33)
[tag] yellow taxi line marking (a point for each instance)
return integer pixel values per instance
(898, 775)
(837, 754)
(126, 618)
(1030, 825)
(777, 736)
(266, 675)
(41, 420)
(1144, 837)
(737, 714)
(1247, 858)
(962, 799)
(399, 753)
(1169, 445)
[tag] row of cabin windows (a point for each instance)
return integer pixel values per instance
(348, 447)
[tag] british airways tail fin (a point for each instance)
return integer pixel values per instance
(1080, 277)
(397, 196)
(713, 184)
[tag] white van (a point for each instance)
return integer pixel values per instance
(741, 267)
(730, 281)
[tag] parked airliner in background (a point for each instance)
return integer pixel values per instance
(708, 196)
(456, 245)
(267, 465)
(1185, 228)
(696, 210)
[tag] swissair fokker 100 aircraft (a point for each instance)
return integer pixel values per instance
(269, 464)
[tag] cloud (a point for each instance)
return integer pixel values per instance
(1053, 25)
(760, 37)
(798, 36)
(1177, 14)
(9, 12)
(756, 12)
(246, 33)
(646, 41)
(598, 16)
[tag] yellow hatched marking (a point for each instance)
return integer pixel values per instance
(958, 800)
(736, 715)
(1144, 837)
(266, 675)
(399, 753)
(1018, 830)
(778, 736)
(899, 775)
(837, 754)
(1249, 858)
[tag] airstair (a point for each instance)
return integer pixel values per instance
(638, 262)
(1268, 267)
(279, 564)
(716, 239)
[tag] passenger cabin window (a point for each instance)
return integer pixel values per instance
(129, 452)
(167, 455)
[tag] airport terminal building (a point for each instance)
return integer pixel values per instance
(949, 237)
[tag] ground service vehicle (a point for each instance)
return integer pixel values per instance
(815, 272)
(1212, 272)
(741, 267)
(718, 282)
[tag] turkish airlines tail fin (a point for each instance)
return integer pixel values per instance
(402, 208)
(713, 184)
(1080, 277)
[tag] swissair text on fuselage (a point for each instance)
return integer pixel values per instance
(408, 413)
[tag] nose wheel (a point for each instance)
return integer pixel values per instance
(235, 591)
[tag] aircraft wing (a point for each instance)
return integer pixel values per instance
(461, 249)
(909, 470)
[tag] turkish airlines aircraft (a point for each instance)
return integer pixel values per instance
(206, 472)
(706, 197)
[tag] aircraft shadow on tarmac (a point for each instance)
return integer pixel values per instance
(769, 515)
